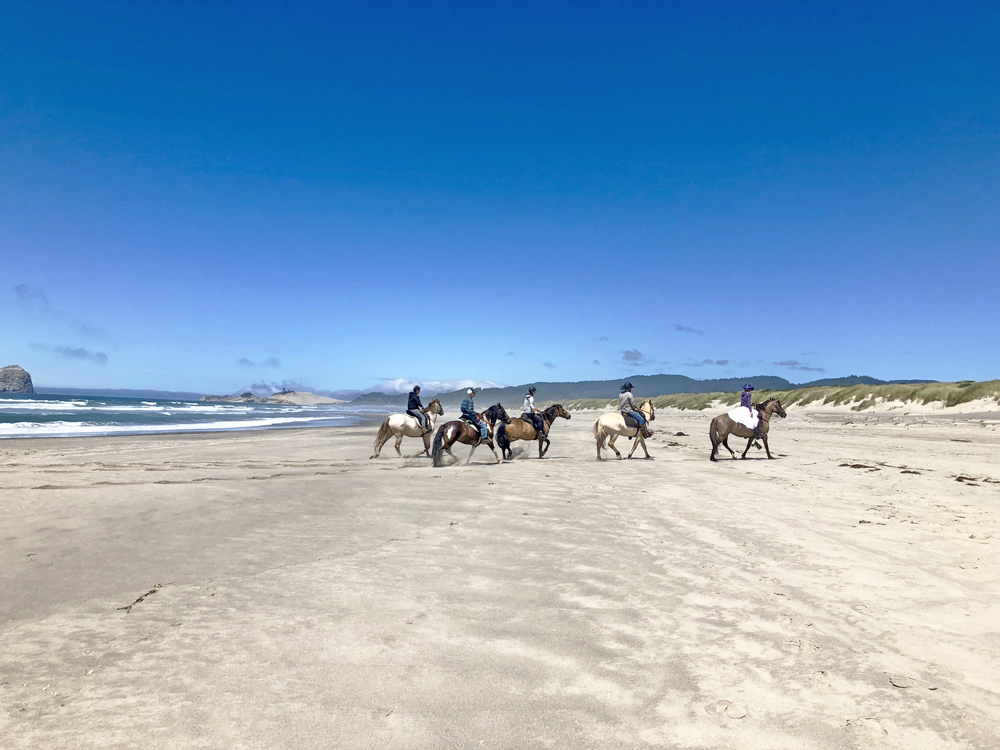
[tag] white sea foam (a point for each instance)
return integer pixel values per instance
(69, 429)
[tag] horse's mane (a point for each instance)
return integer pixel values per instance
(762, 404)
(551, 410)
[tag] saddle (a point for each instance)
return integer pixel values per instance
(631, 422)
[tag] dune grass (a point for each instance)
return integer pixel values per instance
(859, 397)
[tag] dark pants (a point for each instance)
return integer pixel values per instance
(536, 421)
(422, 419)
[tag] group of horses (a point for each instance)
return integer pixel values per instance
(506, 430)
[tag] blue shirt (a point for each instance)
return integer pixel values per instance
(469, 408)
(746, 399)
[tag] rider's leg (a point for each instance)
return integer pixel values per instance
(483, 433)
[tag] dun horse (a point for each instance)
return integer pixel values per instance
(723, 426)
(462, 432)
(521, 430)
(404, 425)
(612, 426)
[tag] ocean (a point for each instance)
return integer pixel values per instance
(46, 415)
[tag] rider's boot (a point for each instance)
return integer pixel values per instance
(646, 432)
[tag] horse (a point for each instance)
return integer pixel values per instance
(723, 426)
(519, 429)
(462, 432)
(406, 425)
(611, 426)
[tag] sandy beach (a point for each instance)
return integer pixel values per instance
(277, 589)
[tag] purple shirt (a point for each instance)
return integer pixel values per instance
(746, 399)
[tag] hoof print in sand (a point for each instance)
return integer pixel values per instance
(727, 709)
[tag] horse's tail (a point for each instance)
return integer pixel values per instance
(384, 433)
(438, 448)
(713, 434)
(599, 436)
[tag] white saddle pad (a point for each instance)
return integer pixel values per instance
(742, 415)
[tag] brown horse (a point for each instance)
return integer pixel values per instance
(723, 426)
(518, 429)
(462, 432)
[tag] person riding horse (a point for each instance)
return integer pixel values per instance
(746, 401)
(531, 414)
(629, 409)
(469, 414)
(416, 410)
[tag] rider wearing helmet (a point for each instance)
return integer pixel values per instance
(416, 410)
(628, 408)
(469, 414)
(531, 414)
(746, 400)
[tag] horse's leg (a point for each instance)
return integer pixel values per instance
(611, 445)
(749, 443)
(399, 442)
(725, 442)
(471, 452)
(427, 444)
(766, 447)
(490, 444)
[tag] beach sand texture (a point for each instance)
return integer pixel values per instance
(279, 590)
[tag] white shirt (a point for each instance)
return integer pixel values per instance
(529, 404)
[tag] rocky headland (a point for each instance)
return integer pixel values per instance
(14, 379)
(297, 398)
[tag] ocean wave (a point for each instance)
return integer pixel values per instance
(70, 429)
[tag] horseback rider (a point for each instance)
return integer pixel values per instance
(532, 416)
(469, 414)
(746, 400)
(629, 409)
(416, 410)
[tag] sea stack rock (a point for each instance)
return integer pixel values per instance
(14, 379)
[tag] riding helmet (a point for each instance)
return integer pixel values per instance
(532, 390)
(626, 387)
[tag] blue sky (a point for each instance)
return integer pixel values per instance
(200, 195)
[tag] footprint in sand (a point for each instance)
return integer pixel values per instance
(866, 726)
(726, 708)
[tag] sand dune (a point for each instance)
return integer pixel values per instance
(279, 590)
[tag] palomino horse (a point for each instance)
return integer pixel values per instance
(461, 432)
(405, 425)
(612, 426)
(723, 426)
(521, 430)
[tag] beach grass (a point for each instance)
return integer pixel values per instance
(858, 397)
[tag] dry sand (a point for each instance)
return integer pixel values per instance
(842, 596)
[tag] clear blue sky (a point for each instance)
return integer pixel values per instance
(199, 195)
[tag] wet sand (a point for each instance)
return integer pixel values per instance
(279, 590)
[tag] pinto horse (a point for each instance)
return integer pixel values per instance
(406, 425)
(462, 432)
(522, 430)
(612, 426)
(723, 426)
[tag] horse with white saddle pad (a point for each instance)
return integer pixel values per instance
(741, 422)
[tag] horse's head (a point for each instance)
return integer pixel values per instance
(772, 406)
(648, 409)
(502, 414)
(556, 410)
(434, 407)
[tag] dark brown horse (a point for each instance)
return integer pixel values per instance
(462, 432)
(723, 426)
(518, 429)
